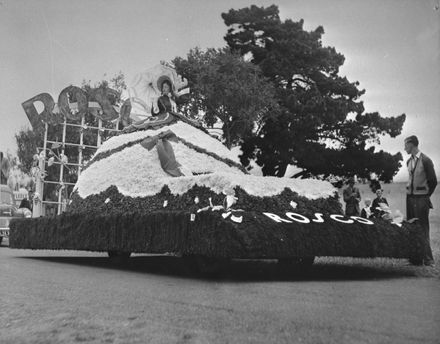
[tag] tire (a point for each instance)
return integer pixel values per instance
(119, 255)
(296, 262)
(307, 261)
(416, 261)
(204, 265)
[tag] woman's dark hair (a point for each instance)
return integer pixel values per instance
(169, 85)
(25, 204)
(375, 185)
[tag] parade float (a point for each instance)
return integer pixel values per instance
(162, 184)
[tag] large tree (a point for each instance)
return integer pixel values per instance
(321, 127)
(227, 91)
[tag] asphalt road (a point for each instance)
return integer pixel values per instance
(80, 297)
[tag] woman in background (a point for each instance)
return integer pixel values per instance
(352, 198)
(377, 209)
(366, 212)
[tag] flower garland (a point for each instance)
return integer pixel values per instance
(199, 197)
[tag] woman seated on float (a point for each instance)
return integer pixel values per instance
(166, 102)
(163, 111)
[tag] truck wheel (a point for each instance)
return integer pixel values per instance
(297, 262)
(204, 265)
(307, 261)
(119, 254)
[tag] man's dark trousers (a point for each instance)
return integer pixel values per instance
(418, 206)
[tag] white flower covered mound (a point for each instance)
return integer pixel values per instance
(137, 172)
(182, 130)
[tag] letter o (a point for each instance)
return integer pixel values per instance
(77, 95)
(298, 217)
(362, 220)
(340, 218)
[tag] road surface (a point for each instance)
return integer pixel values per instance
(80, 297)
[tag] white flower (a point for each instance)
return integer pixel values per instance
(27, 213)
(36, 197)
(230, 201)
(237, 219)
(107, 200)
(225, 215)
(293, 204)
(64, 158)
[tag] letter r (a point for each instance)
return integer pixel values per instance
(276, 218)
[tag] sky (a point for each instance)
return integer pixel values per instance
(391, 47)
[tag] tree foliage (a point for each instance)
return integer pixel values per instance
(321, 126)
(226, 88)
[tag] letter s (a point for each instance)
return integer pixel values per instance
(76, 95)
(318, 218)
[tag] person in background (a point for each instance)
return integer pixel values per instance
(377, 201)
(421, 185)
(366, 211)
(25, 204)
(352, 198)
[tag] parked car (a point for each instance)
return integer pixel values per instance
(8, 210)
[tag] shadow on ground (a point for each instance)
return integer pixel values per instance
(252, 270)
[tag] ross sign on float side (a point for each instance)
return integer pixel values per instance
(290, 217)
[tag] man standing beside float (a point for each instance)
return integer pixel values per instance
(421, 185)
(352, 198)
